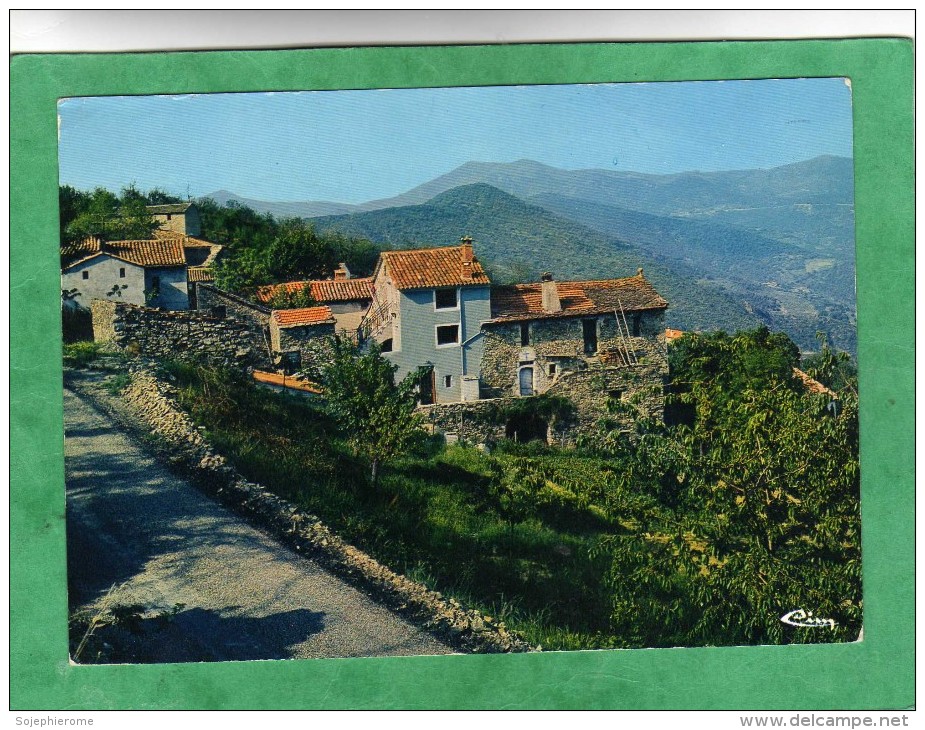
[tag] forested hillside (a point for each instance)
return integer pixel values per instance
(518, 241)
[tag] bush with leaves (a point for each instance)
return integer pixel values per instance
(376, 414)
(756, 509)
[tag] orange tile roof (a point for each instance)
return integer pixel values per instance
(162, 252)
(81, 249)
(187, 240)
(525, 301)
(303, 317)
(199, 273)
(327, 290)
(671, 334)
(431, 267)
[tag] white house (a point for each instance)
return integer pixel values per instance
(147, 273)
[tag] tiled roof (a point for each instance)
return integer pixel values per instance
(162, 252)
(671, 335)
(329, 290)
(78, 251)
(168, 208)
(303, 317)
(200, 273)
(431, 267)
(525, 301)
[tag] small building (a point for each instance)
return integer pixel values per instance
(158, 272)
(182, 218)
(147, 273)
(426, 314)
(300, 338)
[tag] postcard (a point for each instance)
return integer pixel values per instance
(500, 372)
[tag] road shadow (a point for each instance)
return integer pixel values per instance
(139, 636)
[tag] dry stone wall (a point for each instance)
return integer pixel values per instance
(471, 422)
(212, 301)
(635, 392)
(192, 336)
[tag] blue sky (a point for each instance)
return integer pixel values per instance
(354, 146)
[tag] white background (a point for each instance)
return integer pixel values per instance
(43, 31)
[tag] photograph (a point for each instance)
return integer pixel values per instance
(504, 376)
(498, 369)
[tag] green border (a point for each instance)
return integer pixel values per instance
(874, 674)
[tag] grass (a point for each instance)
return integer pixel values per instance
(81, 354)
(439, 515)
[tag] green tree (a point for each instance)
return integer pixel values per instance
(242, 273)
(298, 252)
(285, 299)
(105, 214)
(376, 414)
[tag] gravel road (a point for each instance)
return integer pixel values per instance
(134, 525)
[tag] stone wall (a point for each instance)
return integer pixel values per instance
(209, 300)
(313, 343)
(473, 422)
(556, 347)
(636, 391)
(193, 336)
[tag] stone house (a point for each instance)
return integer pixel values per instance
(300, 338)
(182, 218)
(540, 332)
(427, 313)
(435, 313)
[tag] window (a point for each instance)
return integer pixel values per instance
(524, 334)
(387, 345)
(168, 216)
(447, 334)
(552, 369)
(637, 324)
(589, 331)
(445, 299)
(447, 381)
(86, 274)
(122, 273)
(616, 395)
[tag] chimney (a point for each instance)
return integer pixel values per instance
(341, 272)
(467, 258)
(550, 292)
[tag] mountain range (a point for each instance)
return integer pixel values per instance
(727, 249)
